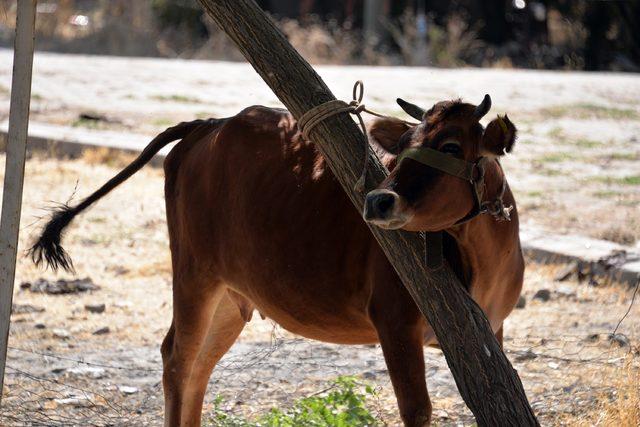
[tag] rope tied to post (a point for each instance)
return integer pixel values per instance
(328, 109)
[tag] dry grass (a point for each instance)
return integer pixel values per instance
(623, 234)
(321, 44)
(625, 410)
(621, 406)
(107, 156)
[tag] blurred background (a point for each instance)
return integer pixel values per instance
(549, 34)
(109, 75)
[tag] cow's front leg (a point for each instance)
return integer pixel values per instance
(401, 333)
(404, 357)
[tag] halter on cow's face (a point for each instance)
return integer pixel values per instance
(438, 179)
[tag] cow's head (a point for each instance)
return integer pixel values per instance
(419, 197)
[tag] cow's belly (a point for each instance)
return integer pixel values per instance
(316, 310)
(309, 268)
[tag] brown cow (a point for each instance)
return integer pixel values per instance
(257, 220)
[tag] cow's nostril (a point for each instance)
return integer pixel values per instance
(379, 205)
(385, 203)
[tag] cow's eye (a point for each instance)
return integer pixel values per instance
(451, 148)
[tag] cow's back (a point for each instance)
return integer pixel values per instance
(254, 205)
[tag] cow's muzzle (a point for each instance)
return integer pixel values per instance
(384, 208)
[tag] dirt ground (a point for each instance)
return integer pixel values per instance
(575, 170)
(60, 372)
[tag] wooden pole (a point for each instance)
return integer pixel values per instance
(14, 169)
(486, 380)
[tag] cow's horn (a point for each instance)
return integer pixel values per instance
(411, 109)
(483, 108)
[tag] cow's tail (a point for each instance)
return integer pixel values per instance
(48, 248)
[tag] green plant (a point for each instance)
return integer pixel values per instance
(606, 194)
(221, 418)
(176, 98)
(556, 133)
(556, 157)
(86, 123)
(587, 111)
(624, 180)
(587, 143)
(630, 180)
(163, 122)
(342, 405)
(621, 156)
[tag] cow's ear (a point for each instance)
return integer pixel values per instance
(391, 134)
(498, 138)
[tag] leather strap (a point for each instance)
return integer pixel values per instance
(471, 172)
(477, 188)
(441, 161)
(433, 249)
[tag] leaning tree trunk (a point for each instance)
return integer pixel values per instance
(486, 380)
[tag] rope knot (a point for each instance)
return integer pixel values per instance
(358, 108)
(331, 108)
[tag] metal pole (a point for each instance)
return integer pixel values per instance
(14, 169)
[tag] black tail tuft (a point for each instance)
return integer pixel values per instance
(48, 249)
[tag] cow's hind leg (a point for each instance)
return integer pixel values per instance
(205, 325)
(226, 325)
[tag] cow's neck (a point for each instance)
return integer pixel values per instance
(484, 241)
